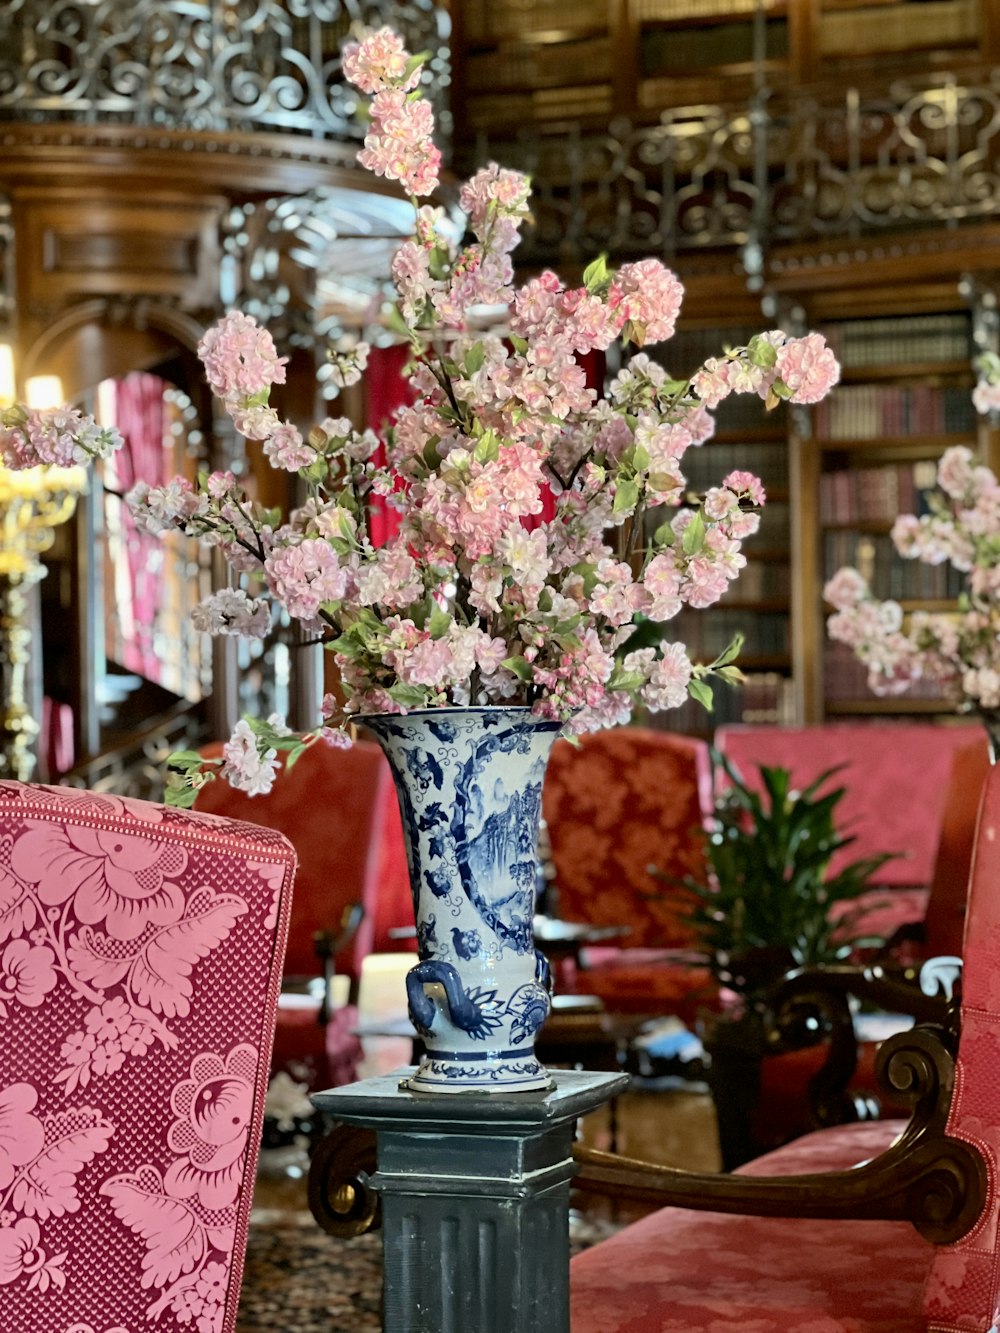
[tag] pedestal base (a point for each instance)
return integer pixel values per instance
(475, 1199)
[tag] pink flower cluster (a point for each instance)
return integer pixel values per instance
(398, 145)
(547, 537)
(59, 436)
(960, 649)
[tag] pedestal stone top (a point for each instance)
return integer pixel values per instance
(385, 1101)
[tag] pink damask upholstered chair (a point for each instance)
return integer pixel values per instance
(835, 1251)
(616, 803)
(339, 810)
(140, 961)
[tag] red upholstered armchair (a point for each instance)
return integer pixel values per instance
(614, 804)
(140, 959)
(793, 1092)
(900, 1231)
(338, 808)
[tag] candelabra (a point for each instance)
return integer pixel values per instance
(32, 505)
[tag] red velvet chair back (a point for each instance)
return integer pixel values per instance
(140, 960)
(895, 776)
(618, 802)
(963, 1291)
(339, 810)
(944, 922)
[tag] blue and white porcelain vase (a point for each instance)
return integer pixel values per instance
(470, 790)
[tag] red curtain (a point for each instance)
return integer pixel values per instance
(387, 390)
(139, 417)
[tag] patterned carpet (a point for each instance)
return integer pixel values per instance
(299, 1280)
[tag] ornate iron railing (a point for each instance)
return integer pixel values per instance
(226, 65)
(791, 171)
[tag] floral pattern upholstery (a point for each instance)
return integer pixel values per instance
(614, 804)
(140, 961)
(681, 1271)
(339, 810)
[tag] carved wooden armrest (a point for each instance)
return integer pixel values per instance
(811, 1005)
(936, 1182)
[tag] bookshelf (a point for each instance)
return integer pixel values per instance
(548, 61)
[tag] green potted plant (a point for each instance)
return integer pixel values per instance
(770, 901)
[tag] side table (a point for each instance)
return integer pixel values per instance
(475, 1199)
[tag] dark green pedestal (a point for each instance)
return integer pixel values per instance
(475, 1200)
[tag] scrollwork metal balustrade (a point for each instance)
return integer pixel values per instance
(788, 171)
(233, 65)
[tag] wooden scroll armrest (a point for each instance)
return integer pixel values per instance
(811, 1005)
(936, 1182)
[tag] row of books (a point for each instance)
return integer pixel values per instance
(706, 634)
(491, 20)
(846, 679)
(706, 465)
(871, 411)
(888, 574)
(863, 343)
(875, 494)
(760, 580)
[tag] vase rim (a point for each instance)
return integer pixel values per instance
(450, 710)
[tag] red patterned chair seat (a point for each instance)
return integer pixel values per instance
(140, 961)
(681, 1272)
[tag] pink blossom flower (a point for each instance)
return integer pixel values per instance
(807, 367)
(648, 296)
(378, 62)
(246, 767)
(239, 357)
(669, 678)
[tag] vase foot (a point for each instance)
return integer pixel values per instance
(500, 1074)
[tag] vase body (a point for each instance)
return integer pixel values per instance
(469, 782)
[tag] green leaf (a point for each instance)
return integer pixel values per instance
(732, 675)
(702, 692)
(439, 623)
(488, 448)
(520, 668)
(626, 496)
(408, 696)
(694, 535)
(664, 535)
(474, 358)
(731, 652)
(761, 353)
(597, 276)
(396, 322)
(520, 345)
